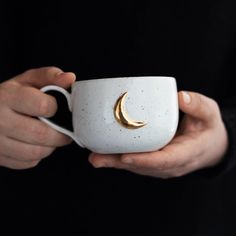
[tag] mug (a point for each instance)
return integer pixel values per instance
(121, 115)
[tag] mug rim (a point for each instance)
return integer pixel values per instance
(125, 77)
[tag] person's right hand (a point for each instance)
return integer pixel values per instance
(25, 140)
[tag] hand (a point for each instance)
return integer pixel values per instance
(200, 142)
(24, 140)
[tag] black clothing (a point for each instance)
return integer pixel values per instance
(194, 41)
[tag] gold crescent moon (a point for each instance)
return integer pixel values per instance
(122, 116)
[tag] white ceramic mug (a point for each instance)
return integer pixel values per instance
(121, 115)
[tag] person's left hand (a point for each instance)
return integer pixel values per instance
(200, 142)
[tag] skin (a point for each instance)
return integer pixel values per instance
(200, 142)
(24, 140)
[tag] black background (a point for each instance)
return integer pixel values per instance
(194, 41)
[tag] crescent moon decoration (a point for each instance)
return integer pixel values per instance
(122, 117)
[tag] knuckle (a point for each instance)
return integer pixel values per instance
(213, 103)
(52, 106)
(215, 106)
(50, 71)
(30, 71)
(43, 107)
(200, 101)
(208, 106)
(135, 163)
(6, 90)
(42, 71)
(47, 106)
(213, 111)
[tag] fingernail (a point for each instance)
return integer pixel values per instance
(186, 97)
(127, 160)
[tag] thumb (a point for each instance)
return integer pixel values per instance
(46, 76)
(198, 106)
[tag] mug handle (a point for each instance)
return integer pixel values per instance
(52, 124)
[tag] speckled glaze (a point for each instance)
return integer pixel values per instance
(151, 99)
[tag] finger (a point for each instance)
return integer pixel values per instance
(45, 76)
(31, 101)
(174, 155)
(101, 160)
(33, 131)
(126, 161)
(177, 154)
(23, 151)
(198, 106)
(115, 161)
(17, 165)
